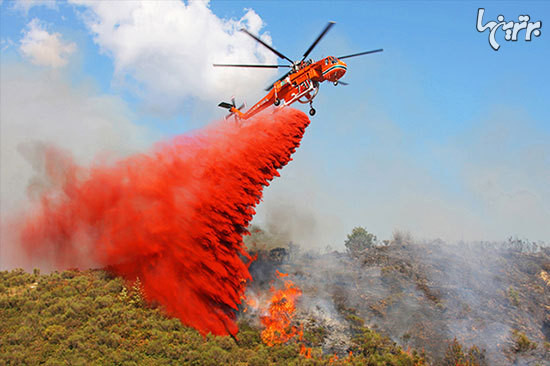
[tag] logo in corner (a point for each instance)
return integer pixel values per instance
(512, 29)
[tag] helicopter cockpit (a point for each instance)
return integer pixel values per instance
(331, 60)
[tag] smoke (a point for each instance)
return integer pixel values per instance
(42, 107)
(173, 217)
(285, 219)
(425, 294)
(361, 168)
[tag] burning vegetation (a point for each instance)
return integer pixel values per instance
(448, 304)
(393, 303)
(277, 323)
(93, 317)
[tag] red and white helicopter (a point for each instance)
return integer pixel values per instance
(300, 83)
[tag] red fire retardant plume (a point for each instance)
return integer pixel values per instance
(174, 217)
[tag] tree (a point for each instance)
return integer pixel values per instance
(359, 240)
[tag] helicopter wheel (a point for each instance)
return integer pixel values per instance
(277, 102)
(312, 112)
(335, 83)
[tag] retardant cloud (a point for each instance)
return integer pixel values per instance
(41, 108)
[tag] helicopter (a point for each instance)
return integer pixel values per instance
(300, 83)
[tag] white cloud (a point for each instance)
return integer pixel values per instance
(168, 48)
(5, 44)
(43, 48)
(42, 107)
(25, 5)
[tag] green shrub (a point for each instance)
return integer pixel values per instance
(456, 354)
(359, 240)
(91, 318)
(521, 342)
(513, 296)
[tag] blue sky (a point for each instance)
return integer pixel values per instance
(439, 135)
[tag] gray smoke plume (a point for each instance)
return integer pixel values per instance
(41, 108)
(425, 294)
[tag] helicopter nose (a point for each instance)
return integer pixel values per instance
(342, 70)
(334, 71)
(339, 71)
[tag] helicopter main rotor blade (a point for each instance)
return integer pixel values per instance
(268, 46)
(328, 26)
(281, 78)
(342, 83)
(251, 65)
(360, 54)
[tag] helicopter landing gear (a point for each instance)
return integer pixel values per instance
(277, 102)
(335, 83)
(311, 109)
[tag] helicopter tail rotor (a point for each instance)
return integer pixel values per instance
(233, 110)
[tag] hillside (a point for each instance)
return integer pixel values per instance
(395, 302)
(92, 318)
(488, 299)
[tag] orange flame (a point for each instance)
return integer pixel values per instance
(249, 303)
(282, 307)
(281, 274)
(305, 351)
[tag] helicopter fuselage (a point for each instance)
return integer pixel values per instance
(301, 84)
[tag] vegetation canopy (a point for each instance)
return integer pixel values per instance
(93, 318)
(359, 240)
